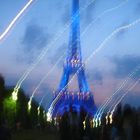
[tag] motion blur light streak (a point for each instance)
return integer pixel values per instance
(24, 76)
(42, 100)
(129, 78)
(45, 50)
(14, 96)
(106, 11)
(38, 111)
(110, 118)
(102, 108)
(43, 53)
(13, 22)
(102, 45)
(48, 115)
(29, 106)
(44, 78)
(122, 97)
(112, 109)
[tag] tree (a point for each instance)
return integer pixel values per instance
(22, 112)
(2, 92)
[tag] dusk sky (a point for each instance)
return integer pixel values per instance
(45, 19)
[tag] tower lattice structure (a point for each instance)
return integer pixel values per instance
(73, 65)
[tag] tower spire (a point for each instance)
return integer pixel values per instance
(74, 50)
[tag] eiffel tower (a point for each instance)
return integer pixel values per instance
(73, 66)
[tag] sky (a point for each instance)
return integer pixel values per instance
(45, 19)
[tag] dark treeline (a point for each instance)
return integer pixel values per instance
(72, 125)
(15, 114)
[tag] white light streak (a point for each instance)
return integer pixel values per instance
(44, 51)
(102, 45)
(122, 97)
(13, 22)
(44, 78)
(102, 108)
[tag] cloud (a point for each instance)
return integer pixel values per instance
(90, 12)
(95, 76)
(125, 65)
(33, 41)
(55, 55)
(137, 9)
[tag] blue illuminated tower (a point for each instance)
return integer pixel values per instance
(73, 66)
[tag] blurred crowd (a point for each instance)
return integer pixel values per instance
(5, 132)
(79, 126)
(73, 125)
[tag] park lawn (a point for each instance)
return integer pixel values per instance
(34, 135)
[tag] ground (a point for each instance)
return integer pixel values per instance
(34, 135)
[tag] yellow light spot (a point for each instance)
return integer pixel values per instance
(93, 122)
(29, 105)
(49, 117)
(106, 119)
(96, 124)
(38, 111)
(100, 121)
(111, 119)
(14, 95)
(84, 123)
